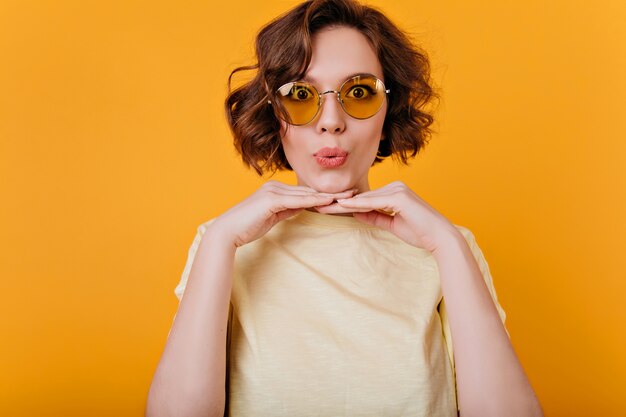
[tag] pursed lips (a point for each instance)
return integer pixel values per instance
(330, 157)
(327, 152)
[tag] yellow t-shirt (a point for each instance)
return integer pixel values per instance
(332, 317)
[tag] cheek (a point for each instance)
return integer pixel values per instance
(286, 136)
(369, 141)
(374, 130)
(290, 140)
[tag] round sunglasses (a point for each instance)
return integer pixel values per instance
(361, 97)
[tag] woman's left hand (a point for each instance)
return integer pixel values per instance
(410, 218)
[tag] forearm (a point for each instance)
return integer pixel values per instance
(490, 378)
(190, 377)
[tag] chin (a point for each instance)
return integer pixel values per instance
(330, 186)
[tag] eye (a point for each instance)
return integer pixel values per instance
(359, 92)
(301, 93)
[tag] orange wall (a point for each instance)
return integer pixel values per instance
(114, 149)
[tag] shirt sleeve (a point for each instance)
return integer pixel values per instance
(193, 249)
(484, 269)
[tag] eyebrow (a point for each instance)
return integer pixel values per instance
(313, 81)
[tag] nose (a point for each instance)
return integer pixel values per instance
(332, 116)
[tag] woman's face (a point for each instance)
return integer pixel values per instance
(338, 54)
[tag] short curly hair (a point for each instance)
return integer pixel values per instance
(284, 50)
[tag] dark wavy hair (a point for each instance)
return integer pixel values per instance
(283, 50)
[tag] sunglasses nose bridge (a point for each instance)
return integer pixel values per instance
(330, 91)
(321, 102)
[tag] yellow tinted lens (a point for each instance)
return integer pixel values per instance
(362, 96)
(300, 100)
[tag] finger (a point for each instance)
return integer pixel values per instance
(343, 194)
(283, 202)
(272, 191)
(284, 186)
(337, 208)
(387, 189)
(333, 209)
(381, 202)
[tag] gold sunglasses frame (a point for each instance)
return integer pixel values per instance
(339, 99)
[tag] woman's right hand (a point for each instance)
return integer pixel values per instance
(273, 202)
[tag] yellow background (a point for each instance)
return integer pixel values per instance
(114, 149)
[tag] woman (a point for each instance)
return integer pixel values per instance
(326, 297)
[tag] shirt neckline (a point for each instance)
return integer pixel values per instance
(329, 220)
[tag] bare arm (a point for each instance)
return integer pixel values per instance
(490, 378)
(190, 377)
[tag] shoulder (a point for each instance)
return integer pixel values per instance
(201, 229)
(191, 254)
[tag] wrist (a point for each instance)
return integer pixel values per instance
(448, 240)
(219, 236)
